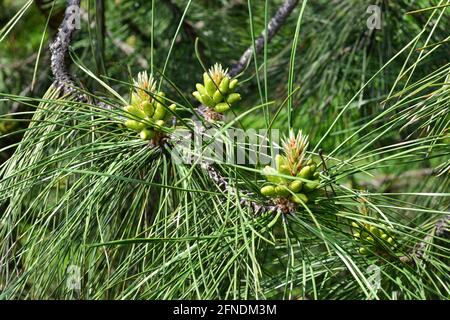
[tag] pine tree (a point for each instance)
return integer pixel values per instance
(356, 203)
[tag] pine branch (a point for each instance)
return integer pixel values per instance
(272, 28)
(59, 48)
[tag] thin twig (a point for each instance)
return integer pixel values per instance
(244, 196)
(272, 28)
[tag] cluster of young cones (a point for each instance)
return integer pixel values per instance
(294, 178)
(372, 239)
(147, 112)
(217, 90)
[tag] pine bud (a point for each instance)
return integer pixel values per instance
(147, 134)
(217, 97)
(295, 186)
(271, 174)
(222, 107)
(134, 125)
(223, 87)
(310, 186)
(160, 113)
(173, 108)
(135, 111)
(205, 77)
(374, 230)
(210, 87)
(198, 96)
(282, 191)
(284, 169)
(148, 108)
(363, 251)
(208, 101)
(305, 172)
(268, 191)
(279, 161)
(200, 88)
(233, 84)
(234, 97)
(299, 198)
(135, 100)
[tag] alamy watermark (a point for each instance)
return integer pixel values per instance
(374, 20)
(73, 277)
(73, 17)
(374, 278)
(232, 146)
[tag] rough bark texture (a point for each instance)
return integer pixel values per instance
(272, 28)
(59, 48)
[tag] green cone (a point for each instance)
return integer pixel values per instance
(217, 97)
(305, 172)
(282, 191)
(223, 87)
(299, 198)
(222, 107)
(310, 186)
(233, 84)
(268, 191)
(233, 98)
(134, 125)
(148, 108)
(208, 101)
(295, 186)
(147, 134)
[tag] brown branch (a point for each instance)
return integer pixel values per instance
(59, 48)
(272, 28)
